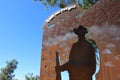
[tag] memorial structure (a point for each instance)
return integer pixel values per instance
(103, 23)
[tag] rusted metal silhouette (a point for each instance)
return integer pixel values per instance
(82, 61)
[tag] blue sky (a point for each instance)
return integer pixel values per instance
(21, 24)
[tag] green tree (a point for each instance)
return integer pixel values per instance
(7, 72)
(85, 4)
(30, 76)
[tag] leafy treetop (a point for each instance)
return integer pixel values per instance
(7, 72)
(85, 4)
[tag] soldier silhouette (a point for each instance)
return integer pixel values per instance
(82, 60)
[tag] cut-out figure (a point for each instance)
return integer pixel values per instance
(82, 60)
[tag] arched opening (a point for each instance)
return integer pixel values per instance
(65, 74)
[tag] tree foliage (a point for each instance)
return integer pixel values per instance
(85, 4)
(30, 76)
(7, 72)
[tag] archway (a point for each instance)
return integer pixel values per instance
(103, 24)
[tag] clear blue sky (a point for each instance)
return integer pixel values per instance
(21, 24)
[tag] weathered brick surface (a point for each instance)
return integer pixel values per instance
(104, 11)
(103, 22)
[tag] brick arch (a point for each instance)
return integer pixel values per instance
(103, 22)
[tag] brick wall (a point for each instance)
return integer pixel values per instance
(103, 22)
